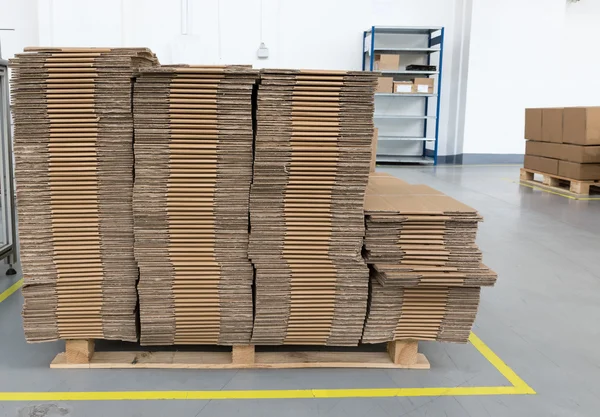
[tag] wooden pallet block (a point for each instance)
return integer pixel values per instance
(80, 354)
(578, 187)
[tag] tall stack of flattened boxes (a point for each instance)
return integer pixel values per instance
(564, 142)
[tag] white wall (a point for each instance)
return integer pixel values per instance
(527, 53)
(21, 16)
(500, 57)
(581, 54)
(323, 34)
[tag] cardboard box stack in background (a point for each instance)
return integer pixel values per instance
(74, 172)
(564, 142)
(426, 269)
(311, 167)
(193, 172)
(164, 175)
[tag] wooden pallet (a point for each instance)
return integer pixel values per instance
(80, 354)
(562, 184)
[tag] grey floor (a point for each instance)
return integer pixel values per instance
(542, 319)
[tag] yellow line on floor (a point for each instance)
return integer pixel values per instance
(11, 290)
(499, 364)
(519, 387)
(256, 394)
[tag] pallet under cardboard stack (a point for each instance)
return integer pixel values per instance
(193, 150)
(426, 269)
(564, 142)
(74, 162)
(313, 148)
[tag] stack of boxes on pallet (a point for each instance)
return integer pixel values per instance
(208, 213)
(193, 147)
(426, 269)
(74, 159)
(564, 142)
(311, 167)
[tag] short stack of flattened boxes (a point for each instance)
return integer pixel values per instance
(563, 142)
(311, 168)
(193, 150)
(426, 270)
(74, 171)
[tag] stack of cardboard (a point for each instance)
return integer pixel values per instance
(74, 161)
(564, 142)
(426, 269)
(193, 150)
(313, 145)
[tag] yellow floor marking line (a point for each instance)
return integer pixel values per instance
(570, 197)
(519, 387)
(256, 394)
(499, 364)
(11, 290)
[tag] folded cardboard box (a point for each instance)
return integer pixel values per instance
(577, 171)
(385, 85)
(538, 163)
(564, 151)
(533, 124)
(581, 126)
(552, 125)
(389, 62)
(423, 85)
(403, 87)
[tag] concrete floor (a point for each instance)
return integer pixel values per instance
(541, 319)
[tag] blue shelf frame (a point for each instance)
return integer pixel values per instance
(436, 37)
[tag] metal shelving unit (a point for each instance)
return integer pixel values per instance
(408, 123)
(8, 238)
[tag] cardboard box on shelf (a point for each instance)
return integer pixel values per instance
(581, 126)
(552, 125)
(423, 85)
(533, 124)
(385, 85)
(389, 62)
(403, 87)
(564, 151)
(577, 171)
(538, 163)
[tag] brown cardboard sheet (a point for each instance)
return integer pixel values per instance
(421, 251)
(541, 164)
(581, 154)
(575, 171)
(73, 133)
(191, 197)
(552, 125)
(581, 126)
(533, 124)
(311, 167)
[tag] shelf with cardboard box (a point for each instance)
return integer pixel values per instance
(402, 138)
(396, 95)
(407, 98)
(392, 116)
(406, 50)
